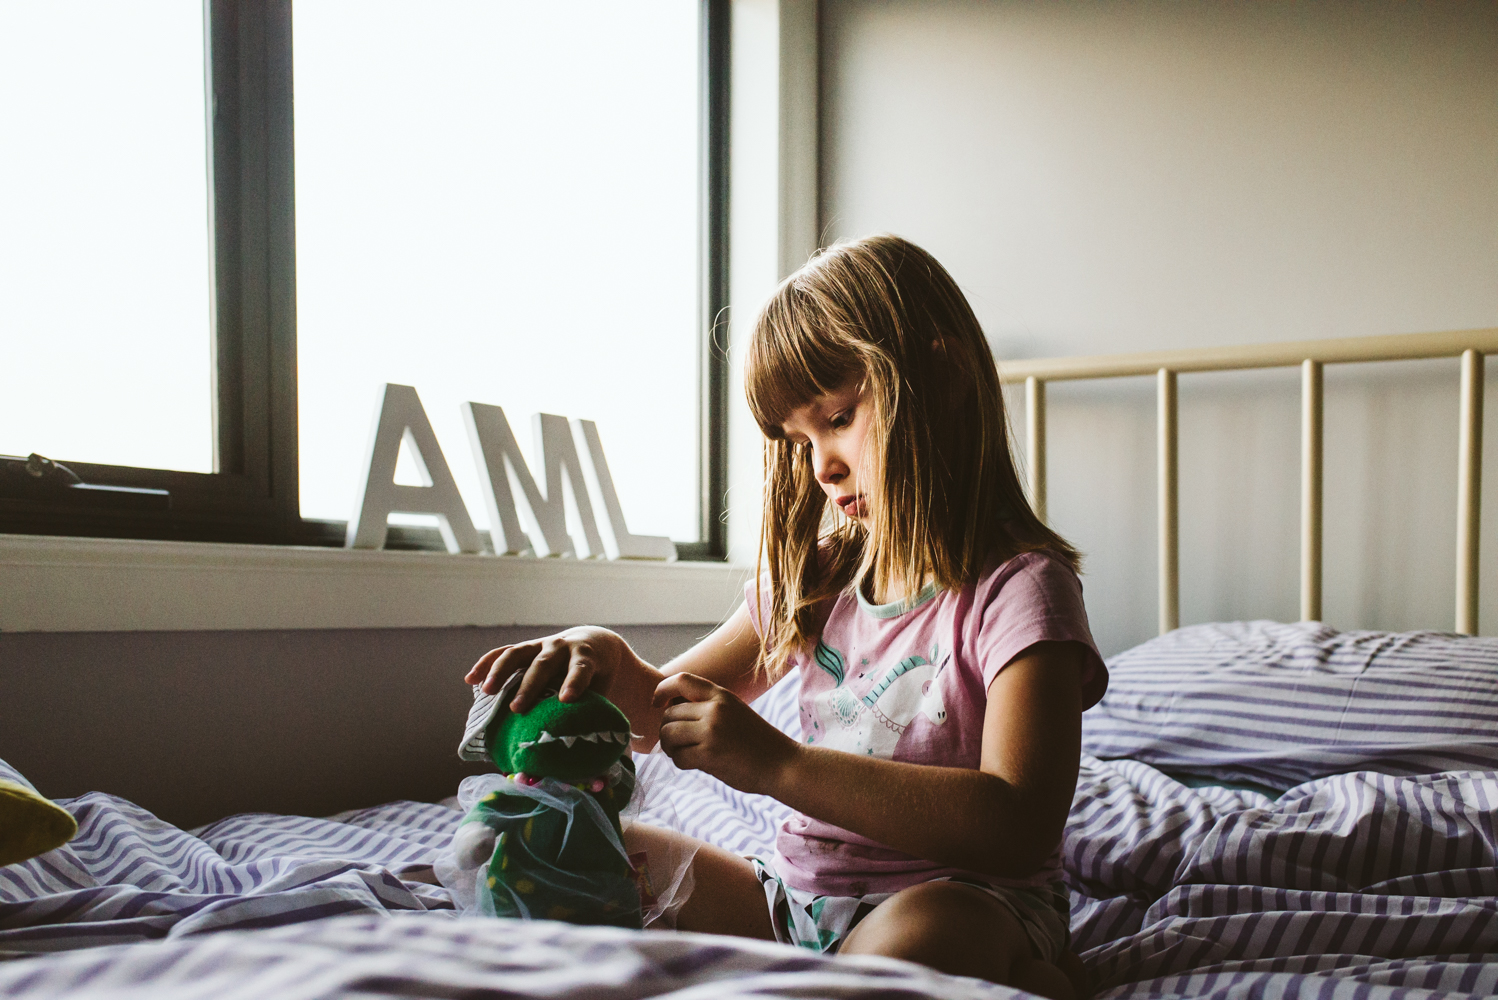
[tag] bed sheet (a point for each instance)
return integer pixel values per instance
(369, 957)
(1362, 884)
(128, 876)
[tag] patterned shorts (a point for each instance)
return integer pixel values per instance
(821, 923)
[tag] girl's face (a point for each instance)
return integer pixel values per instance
(835, 426)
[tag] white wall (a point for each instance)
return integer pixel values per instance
(1109, 177)
(773, 168)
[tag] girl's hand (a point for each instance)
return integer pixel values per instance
(570, 662)
(709, 728)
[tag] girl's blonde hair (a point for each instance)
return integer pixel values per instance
(944, 498)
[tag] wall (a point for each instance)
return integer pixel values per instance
(197, 725)
(773, 168)
(1110, 177)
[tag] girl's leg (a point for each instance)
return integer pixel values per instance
(957, 929)
(725, 896)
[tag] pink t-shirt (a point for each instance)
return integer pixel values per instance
(909, 682)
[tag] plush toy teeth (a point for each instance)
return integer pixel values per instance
(601, 736)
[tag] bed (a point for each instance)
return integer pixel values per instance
(1264, 809)
(1207, 856)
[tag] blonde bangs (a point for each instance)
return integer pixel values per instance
(794, 357)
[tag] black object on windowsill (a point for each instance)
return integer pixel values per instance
(37, 477)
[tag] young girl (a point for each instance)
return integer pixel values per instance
(937, 626)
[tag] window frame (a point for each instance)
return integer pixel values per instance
(253, 494)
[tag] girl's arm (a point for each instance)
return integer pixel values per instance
(588, 657)
(1004, 819)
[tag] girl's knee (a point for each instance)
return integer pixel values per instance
(947, 926)
(715, 892)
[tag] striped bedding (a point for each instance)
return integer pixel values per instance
(129, 877)
(1360, 884)
(1369, 885)
(1275, 704)
(371, 957)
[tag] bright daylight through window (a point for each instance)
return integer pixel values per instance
(497, 202)
(493, 201)
(104, 234)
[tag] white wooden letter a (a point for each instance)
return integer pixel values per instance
(400, 418)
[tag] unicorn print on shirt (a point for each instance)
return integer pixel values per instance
(873, 724)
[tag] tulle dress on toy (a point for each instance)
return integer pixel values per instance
(544, 839)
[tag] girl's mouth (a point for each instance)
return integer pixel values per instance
(853, 505)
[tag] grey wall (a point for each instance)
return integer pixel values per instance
(1112, 177)
(198, 725)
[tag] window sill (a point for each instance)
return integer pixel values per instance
(56, 584)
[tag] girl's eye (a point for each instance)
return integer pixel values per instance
(840, 420)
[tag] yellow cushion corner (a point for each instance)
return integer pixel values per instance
(29, 824)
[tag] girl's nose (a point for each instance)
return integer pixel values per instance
(828, 468)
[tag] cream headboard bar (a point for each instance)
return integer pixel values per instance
(1310, 355)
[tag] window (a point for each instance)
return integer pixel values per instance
(465, 204)
(128, 339)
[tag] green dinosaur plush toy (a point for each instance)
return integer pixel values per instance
(543, 840)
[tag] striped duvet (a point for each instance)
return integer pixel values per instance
(1365, 884)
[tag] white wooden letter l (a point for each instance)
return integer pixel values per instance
(617, 538)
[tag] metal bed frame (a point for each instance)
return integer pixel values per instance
(1311, 356)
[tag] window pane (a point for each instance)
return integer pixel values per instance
(497, 202)
(104, 307)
